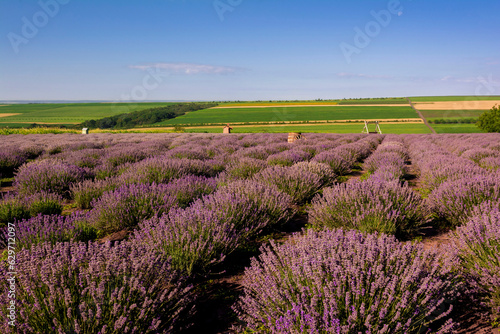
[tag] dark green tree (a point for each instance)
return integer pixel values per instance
(489, 121)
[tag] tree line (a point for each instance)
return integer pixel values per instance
(145, 117)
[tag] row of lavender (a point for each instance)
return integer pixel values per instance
(214, 196)
(461, 175)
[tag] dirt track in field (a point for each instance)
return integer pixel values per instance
(456, 105)
(7, 115)
(312, 105)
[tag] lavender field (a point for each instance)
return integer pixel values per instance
(204, 233)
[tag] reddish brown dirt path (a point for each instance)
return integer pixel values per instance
(422, 117)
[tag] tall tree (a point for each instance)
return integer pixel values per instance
(489, 121)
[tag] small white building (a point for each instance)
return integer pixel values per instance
(85, 131)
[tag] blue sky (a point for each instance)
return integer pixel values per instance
(247, 49)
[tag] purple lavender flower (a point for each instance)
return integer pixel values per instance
(288, 157)
(244, 168)
(128, 205)
(190, 188)
(453, 201)
(371, 206)
(11, 159)
(477, 244)
(12, 208)
(300, 184)
(336, 160)
(47, 175)
(53, 228)
(325, 173)
(345, 282)
(78, 287)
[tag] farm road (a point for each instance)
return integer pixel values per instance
(421, 116)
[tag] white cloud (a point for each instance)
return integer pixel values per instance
(187, 68)
(360, 75)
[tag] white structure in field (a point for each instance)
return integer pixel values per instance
(377, 127)
(85, 131)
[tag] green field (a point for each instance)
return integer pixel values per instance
(290, 114)
(456, 128)
(453, 98)
(323, 128)
(67, 113)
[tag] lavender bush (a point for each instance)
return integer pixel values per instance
(339, 163)
(476, 154)
(449, 171)
(485, 208)
(190, 188)
(162, 169)
(275, 203)
(345, 282)
(47, 175)
(44, 203)
(453, 201)
(92, 288)
(195, 153)
(370, 206)
(325, 173)
(85, 158)
(84, 193)
(254, 152)
(384, 159)
(490, 163)
(53, 228)
(477, 244)
(235, 208)
(128, 205)
(245, 167)
(288, 158)
(195, 240)
(300, 184)
(12, 208)
(125, 153)
(10, 159)
(32, 151)
(201, 235)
